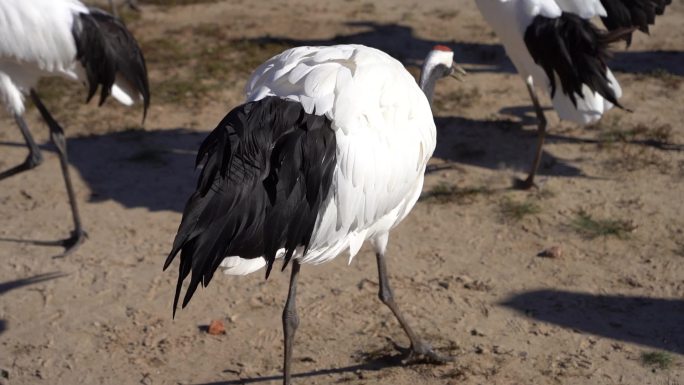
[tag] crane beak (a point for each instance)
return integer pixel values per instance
(457, 72)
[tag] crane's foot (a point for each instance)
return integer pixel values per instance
(526, 184)
(422, 353)
(32, 160)
(72, 243)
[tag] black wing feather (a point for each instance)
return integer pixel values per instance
(575, 50)
(626, 14)
(106, 48)
(268, 167)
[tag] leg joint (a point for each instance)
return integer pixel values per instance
(385, 294)
(290, 319)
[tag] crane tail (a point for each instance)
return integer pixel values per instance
(632, 15)
(110, 55)
(573, 52)
(268, 168)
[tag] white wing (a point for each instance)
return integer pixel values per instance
(384, 129)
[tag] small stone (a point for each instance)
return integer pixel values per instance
(481, 350)
(146, 380)
(551, 252)
(216, 327)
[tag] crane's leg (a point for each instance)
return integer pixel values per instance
(420, 350)
(290, 322)
(34, 157)
(133, 4)
(541, 135)
(57, 136)
(112, 7)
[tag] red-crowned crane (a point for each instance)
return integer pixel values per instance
(40, 38)
(329, 151)
(554, 46)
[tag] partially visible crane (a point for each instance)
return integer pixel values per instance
(40, 38)
(132, 4)
(555, 47)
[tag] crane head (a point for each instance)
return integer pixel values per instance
(441, 58)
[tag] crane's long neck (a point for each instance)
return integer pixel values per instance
(429, 75)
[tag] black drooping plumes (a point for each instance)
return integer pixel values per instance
(575, 50)
(106, 48)
(627, 14)
(268, 167)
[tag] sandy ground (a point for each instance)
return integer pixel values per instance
(464, 264)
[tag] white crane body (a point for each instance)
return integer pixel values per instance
(385, 136)
(329, 151)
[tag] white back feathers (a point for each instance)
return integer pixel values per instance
(384, 136)
(384, 129)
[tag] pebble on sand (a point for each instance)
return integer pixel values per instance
(551, 252)
(216, 327)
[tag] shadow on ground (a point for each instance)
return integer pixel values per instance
(8, 286)
(654, 322)
(155, 169)
(374, 364)
(137, 168)
(401, 42)
(498, 144)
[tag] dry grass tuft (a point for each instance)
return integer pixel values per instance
(592, 228)
(516, 211)
(661, 360)
(443, 193)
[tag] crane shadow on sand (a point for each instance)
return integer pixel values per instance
(135, 167)
(139, 168)
(509, 144)
(654, 322)
(155, 169)
(8, 286)
(368, 364)
(401, 42)
(497, 144)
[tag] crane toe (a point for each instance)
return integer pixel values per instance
(524, 184)
(72, 243)
(423, 353)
